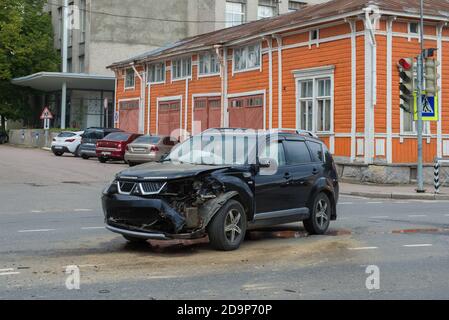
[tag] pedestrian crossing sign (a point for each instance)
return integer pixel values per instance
(430, 108)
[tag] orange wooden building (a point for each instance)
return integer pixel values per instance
(329, 68)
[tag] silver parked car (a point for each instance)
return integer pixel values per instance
(148, 148)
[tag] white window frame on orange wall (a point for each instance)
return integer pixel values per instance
(314, 75)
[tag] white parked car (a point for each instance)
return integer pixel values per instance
(66, 141)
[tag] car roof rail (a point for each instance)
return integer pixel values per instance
(296, 131)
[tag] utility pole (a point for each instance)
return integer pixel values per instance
(420, 180)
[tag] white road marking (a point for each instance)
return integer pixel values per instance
(8, 273)
(379, 217)
(446, 215)
(83, 210)
(36, 211)
(346, 203)
(37, 230)
(417, 215)
(364, 248)
(417, 245)
(91, 228)
(374, 202)
(6, 270)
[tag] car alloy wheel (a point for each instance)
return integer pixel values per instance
(320, 213)
(233, 226)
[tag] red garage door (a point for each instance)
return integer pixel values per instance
(168, 117)
(129, 115)
(206, 114)
(246, 112)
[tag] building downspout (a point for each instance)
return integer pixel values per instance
(372, 16)
(279, 46)
(223, 57)
(184, 134)
(270, 81)
(142, 98)
(149, 108)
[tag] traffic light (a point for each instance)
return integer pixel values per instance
(407, 85)
(431, 77)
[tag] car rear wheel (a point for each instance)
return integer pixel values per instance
(84, 156)
(102, 160)
(320, 217)
(131, 164)
(228, 227)
(58, 153)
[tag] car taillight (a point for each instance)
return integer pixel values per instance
(70, 140)
(154, 149)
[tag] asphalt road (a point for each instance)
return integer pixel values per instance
(51, 218)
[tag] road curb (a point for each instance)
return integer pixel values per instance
(397, 196)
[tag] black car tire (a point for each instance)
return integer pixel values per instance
(131, 164)
(84, 156)
(321, 212)
(77, 152)
(233, 217)
(58, 153)
(102, 159)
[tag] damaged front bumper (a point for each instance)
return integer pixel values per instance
(145, 218)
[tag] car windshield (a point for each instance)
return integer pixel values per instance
(148, 139)
(118, 136)
(216, 149)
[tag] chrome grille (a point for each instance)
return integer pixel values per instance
(126, 187)
(152, 187)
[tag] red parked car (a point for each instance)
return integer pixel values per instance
(113, 146)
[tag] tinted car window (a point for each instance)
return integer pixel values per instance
(297, 152)
(168, 141)
(93, 134)
(147, 139)
(66, 134)
(118, 136)
(275, 150)
(317, 151)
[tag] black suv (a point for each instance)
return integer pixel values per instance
(89, 140)
(222, 183)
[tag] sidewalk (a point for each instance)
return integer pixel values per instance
(392, 191)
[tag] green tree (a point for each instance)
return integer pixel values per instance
(26, 47)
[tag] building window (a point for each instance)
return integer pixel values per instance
(69, 65)
(247, 58)
(235, 13)
(156, 72)
(208, 64)
(314, 35)
(413, 28)
(181, 68)
(129, 78)
(82, 9)
(315, 104)
(60, 26)
(81, 64)
(296, 5)
(266, 9)
(409, 125)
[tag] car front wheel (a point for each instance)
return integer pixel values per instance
(58, 153)
(228, 227)
(102, 160)
(321, 211)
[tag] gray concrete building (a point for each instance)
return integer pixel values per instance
(102, 32)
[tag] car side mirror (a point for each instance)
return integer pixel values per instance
(267, 166)
(265, 162)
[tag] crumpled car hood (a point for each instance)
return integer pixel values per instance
(166, 170)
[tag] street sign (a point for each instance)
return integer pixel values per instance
(429, 108)
(46, 114)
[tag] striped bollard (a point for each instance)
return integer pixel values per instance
(436, 176)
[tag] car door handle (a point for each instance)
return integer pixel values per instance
(315, 170)
(287, 176)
